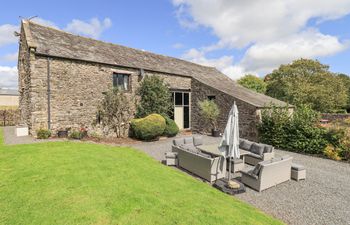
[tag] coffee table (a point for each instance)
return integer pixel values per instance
(214, 150)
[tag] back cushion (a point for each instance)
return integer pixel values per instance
(179, 141)
(197, 140)
(189, 140)
(257, 149)
(245, 145)
(268, 148)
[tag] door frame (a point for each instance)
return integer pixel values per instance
(173, 92)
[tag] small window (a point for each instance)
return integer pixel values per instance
(121, 81)
(211, 97)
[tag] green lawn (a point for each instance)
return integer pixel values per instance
(80, 183)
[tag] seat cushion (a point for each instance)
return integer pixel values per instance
(297, 167)
(190, 148)
(188, 140)
(170, 154)
(237, 161)
(255, 155)
(197, 140)
(245, 145)
(257, 149)
(178, 141)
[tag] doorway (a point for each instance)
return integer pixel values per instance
(181, 109)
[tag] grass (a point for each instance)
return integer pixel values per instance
(81, 183)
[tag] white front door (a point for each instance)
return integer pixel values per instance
(179, 116)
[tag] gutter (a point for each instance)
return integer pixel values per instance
(48, 94)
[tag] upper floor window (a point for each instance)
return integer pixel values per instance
(121, 81)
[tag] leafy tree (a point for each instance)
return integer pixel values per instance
(116, 111)
(155, 97)
(308, 82)
(346, 81)
(253, 82)
(210, 111)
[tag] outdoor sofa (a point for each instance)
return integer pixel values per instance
(258, 152)
(193, 160)
(268, 173)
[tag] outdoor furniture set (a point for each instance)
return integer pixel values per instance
(207, 162)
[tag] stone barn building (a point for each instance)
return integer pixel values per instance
(62, 78)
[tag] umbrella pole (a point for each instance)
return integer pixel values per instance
(229, 167)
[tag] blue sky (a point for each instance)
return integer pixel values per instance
(234, 36)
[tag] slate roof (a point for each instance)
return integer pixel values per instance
(57, 43)
(9, 92)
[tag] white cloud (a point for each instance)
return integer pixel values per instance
(7, 34)
(12, 57)
(8, 77)
(263, 57)
(275, 31)
(93, 28)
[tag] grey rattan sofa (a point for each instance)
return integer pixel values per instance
(268, 173)
(258, 152)
(191, 159)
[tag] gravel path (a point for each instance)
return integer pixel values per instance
(323, 198)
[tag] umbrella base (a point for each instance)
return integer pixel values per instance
(223, 186)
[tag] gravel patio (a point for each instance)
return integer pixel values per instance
(323, 198)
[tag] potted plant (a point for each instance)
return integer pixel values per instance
(210, 111)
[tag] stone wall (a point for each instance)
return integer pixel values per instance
(25, 57)
(335, 116)
(248, 117)
(77, 89)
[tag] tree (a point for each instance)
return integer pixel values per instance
(116, 111)
(346, 81)
(308, 82)
(253, 82)
(155, 97)
(210, 112)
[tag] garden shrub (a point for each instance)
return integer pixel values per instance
(171, 129)
(75, 134)
(149, 127)
(338, 136)
(332, 152)
(43, 133)
(294, 132)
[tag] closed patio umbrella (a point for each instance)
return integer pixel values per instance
(229, 145)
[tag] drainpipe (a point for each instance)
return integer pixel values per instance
(48, 94)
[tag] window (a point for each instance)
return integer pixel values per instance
(211, 97)
(121, 81)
